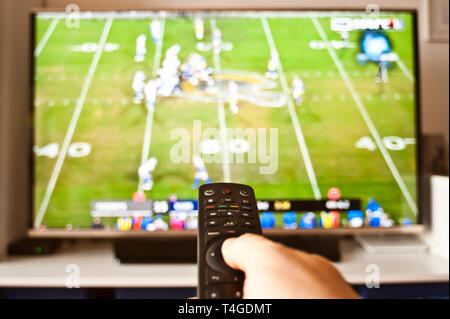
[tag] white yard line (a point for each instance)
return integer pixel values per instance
(366, 117)
(150, 114)
(293, 114)
(46, 36)
(222, 120)
(405, 70)
(72, 125)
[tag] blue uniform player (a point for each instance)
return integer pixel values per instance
(201, 174)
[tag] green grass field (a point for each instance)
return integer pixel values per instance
(114, 127)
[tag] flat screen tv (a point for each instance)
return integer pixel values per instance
(317, 111)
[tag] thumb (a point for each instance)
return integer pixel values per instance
(242, 252)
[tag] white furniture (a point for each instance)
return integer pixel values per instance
(98, 267)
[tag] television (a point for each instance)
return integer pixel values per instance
(318, 111)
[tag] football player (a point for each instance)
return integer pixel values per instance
(199, 28)
(138, 86)
(272, 66)
(201, 174)
(150, 95)
(298, 90)
(233, 97)
(217, 39)
(140, 48)
(345, 37)
(145, 172)
(155, 30)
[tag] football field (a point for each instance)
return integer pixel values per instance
(90, 138)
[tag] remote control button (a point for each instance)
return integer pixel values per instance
(234, 206)
(248, 223)
(222, 206)
(210, 207)
(246, 207)
(226, 191)
(208, 192)
(212, 223)
(212, 234)
(227, 200)
(227, 213)
(212, 214)
(230, 232)
(210, 201)
(213, 277)
(229, 223)
(214, 257)
(243, 192)
(222, 212)
(227, 291)
(213, 293)
(247, 215)
(246, 201)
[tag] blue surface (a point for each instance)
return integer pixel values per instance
(400, 291)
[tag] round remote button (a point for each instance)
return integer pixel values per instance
(208, 192)
(214, 257)
(243, 192)
(226, 191)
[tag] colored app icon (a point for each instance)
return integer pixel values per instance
(308, 221)
(329, 219)
(146, 221)
(355, 218)
(334, 193)
(290, 220)
(267, 220)
(124, 223)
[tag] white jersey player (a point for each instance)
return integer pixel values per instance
(216, 39)
(382, 74)
(201, 174)
(272, 66)
(169, 74)
(138, 87)
(150, 95)
(345, 37)
(140, 48)
(155, 30)
(233, 97)
(145, 172)
(298, 90)
(199, 28)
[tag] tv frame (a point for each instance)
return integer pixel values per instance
(422, 197)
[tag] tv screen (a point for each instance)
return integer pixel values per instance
(317, 111)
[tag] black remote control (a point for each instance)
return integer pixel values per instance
(225, 210)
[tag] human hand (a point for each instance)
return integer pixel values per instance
(273, 270)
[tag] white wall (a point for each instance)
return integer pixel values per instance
(14, 120)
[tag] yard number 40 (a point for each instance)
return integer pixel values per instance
(393, 143)
(78, 149)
